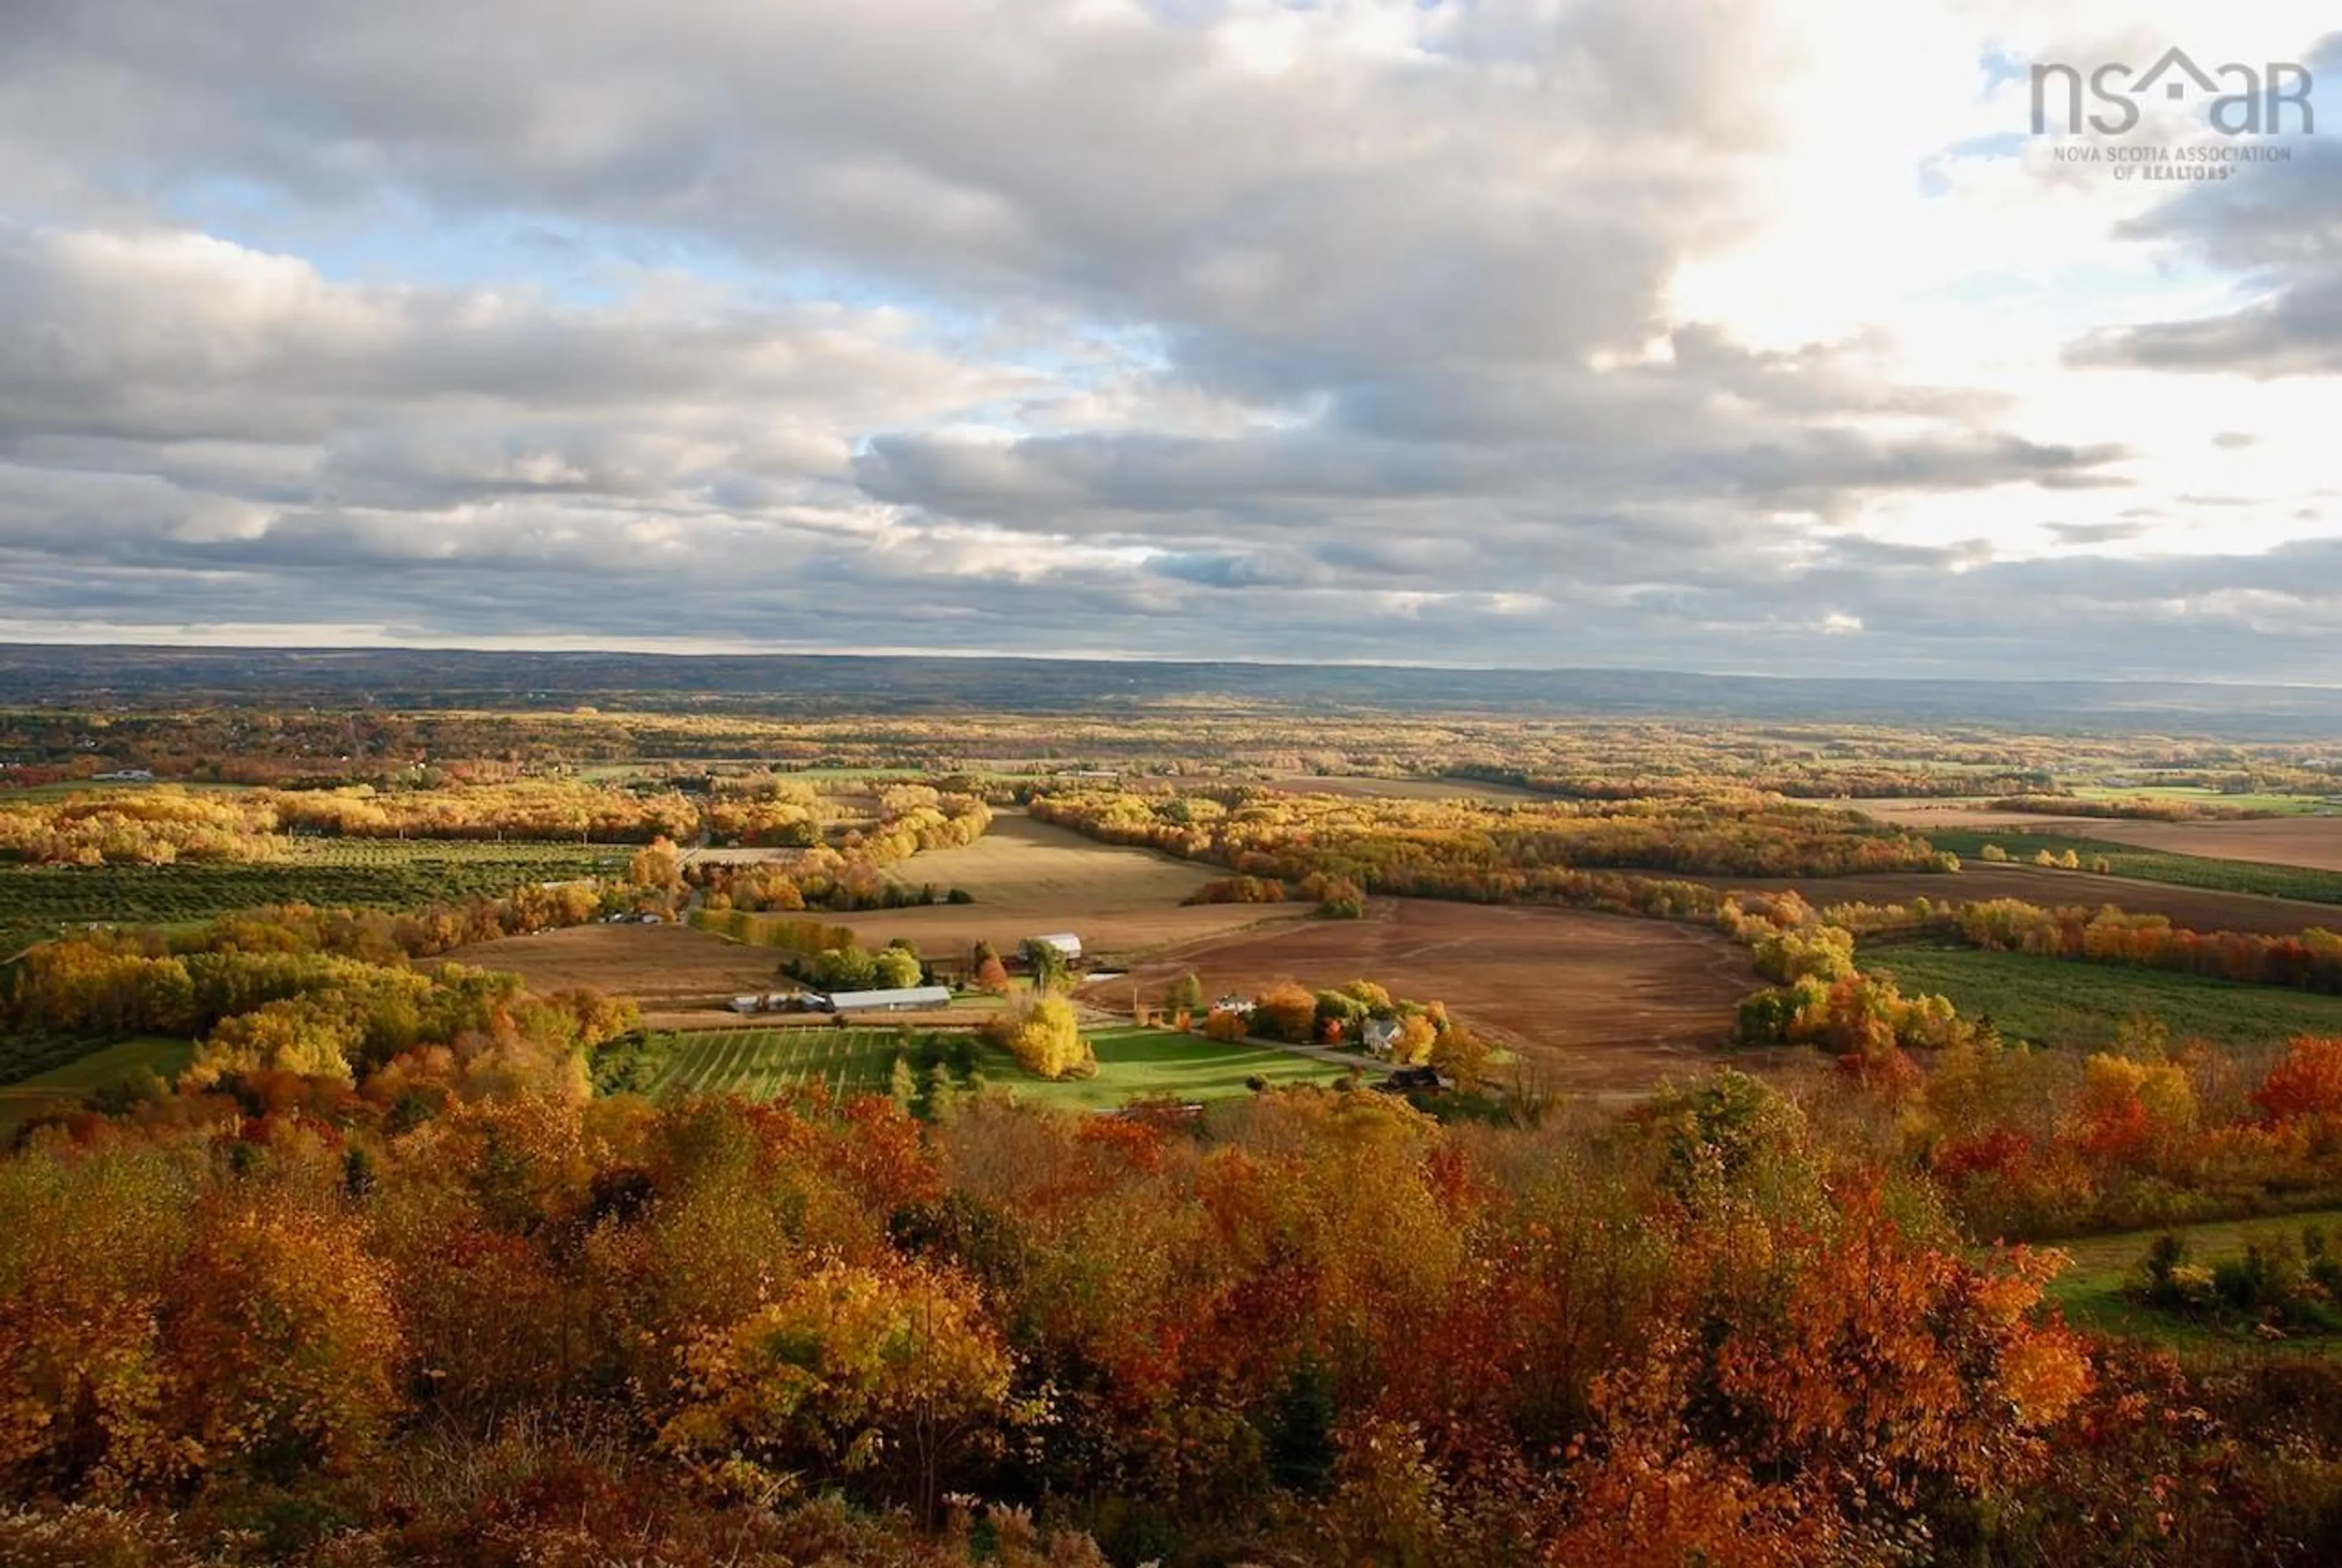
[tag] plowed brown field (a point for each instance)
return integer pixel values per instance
(664, 967)
(1592, 1003)
(1029, 877)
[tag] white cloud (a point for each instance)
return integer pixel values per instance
(1616, 331)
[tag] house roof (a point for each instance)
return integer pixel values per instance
(899, 996)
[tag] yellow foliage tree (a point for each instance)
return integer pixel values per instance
(1461, 1056)
(284, 1351)
(853, 1368)
(1411, 1046)
(300, 1034)
(1046, 1040)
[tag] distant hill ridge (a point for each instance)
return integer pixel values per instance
(38, 674)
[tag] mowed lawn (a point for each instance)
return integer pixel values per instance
(1156, 1064)
(2065, 1002)
(2091, 1288)
(20, 1102)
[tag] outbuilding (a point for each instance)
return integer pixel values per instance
(1065, 941)
(899, 999)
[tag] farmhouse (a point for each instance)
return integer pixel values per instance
(900, 999)
(1380, 1034)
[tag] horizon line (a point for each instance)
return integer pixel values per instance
(1109, 657)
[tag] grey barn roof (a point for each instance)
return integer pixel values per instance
(900, 996)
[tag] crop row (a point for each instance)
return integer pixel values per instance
(35, 900)
(577, 859)
(760, 1064)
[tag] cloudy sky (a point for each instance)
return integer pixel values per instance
(1705, 334)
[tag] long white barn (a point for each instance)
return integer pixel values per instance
(901, 999)
(1065, 941)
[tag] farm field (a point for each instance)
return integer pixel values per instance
(683, 979)
(1029, 877)
(759, 1064)
(2197, 795)
(1133, 1063)
(2310, 841)
(1591, 1003)
(1159, 1064)
(1925, 812)
(2200, 909)
(20, 1102)
(2090, 1290)
(2142, 864)
(2061, 1002)
(664, 967)
(374, 874)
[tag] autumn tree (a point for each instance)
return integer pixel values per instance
(1052, 970)
(2305, 1085)
(1184, 994)
(1415, 1041)
(1225, 1024)
(1286, 1010)
(658, 866)
(896, 967)
(888, 1376)
(1461, 1056)
(306, 1035)
(286, 1353)
(1046, 1038)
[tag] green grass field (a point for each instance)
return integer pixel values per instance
(1149, 1063)
(21, 1101)
(2067, 1003)
(2149, 864)
(2197, 794)
(2091, 1288)
(1133, 1063)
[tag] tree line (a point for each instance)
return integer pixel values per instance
(2311, 961)
(165, 822)
(1488, 852)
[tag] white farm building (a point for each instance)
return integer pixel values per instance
(1065, 941)
(901, 999)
